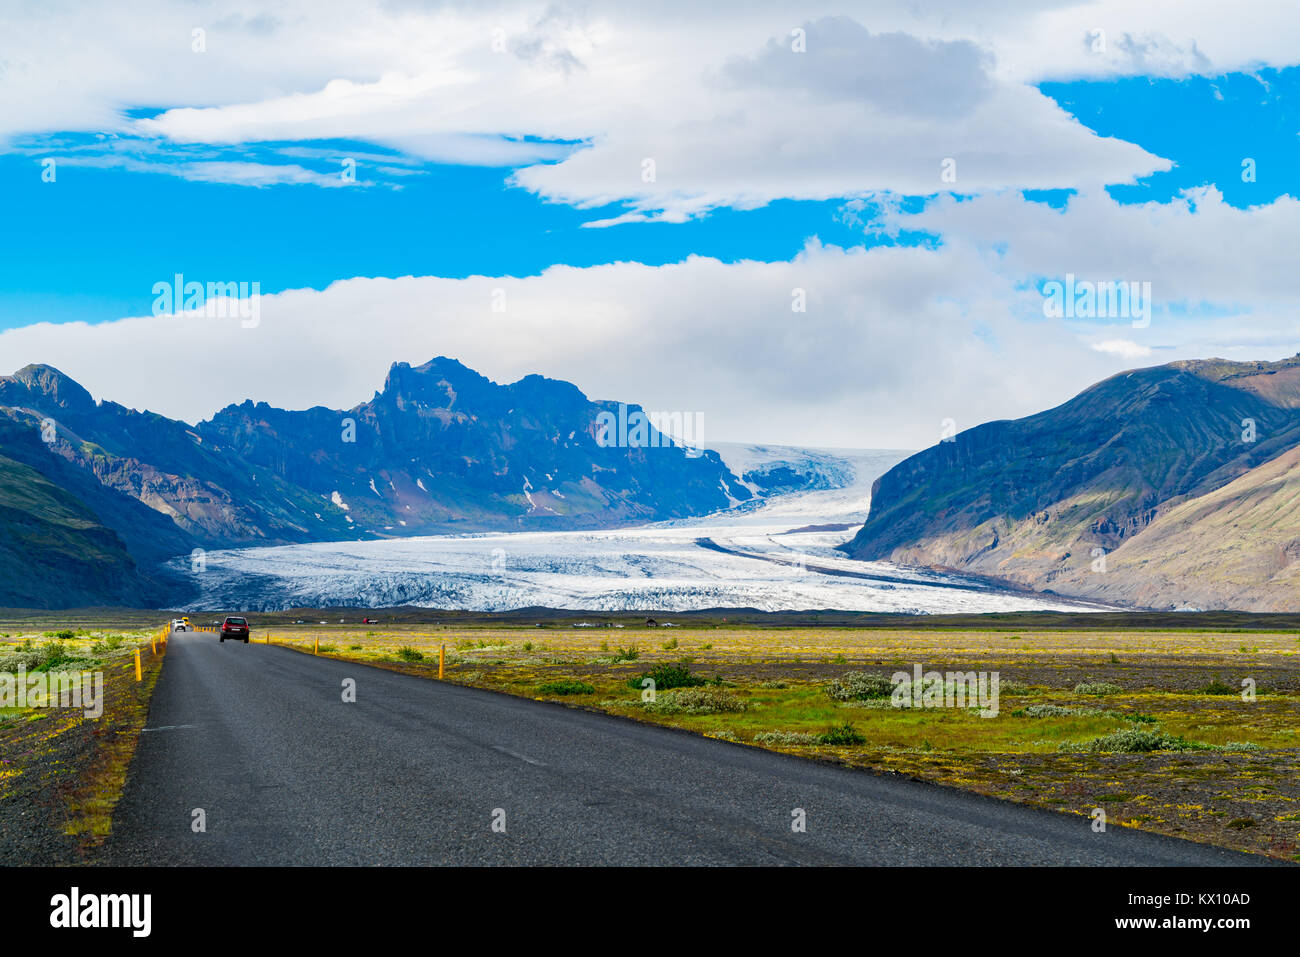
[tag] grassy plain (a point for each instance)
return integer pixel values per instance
(1149, 725)
(61, 771)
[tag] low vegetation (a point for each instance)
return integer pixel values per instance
(842, 735)
(860, 686)
(695, 701)
(666, 677)
(565, 687)
(1136, 740)
(1096, 687)
(62, 772)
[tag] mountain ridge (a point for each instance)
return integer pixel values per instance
(1038, 500)
(439, 448)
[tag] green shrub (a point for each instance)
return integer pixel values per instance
(26, 660)
(1136, 740)
(566, 687)
(1053, 711)
(1218, 687)
(696, 701)
(860, 686)
(407, 653)
(52, 656)
(841, 734)
(1094, 687)
(667, 677)
(788, 738)
(869, 704)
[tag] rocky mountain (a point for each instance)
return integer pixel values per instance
(207, 493)
(440, 448)
(52, 543)
(1164, 487)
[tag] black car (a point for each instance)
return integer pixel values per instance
(235, 629)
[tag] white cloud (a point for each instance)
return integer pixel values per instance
(716, 96)
(892, 343)
(1222, 278)
(1195, 247)
(713, 93)
(1124, 348)
(858, 112)
(237, 172)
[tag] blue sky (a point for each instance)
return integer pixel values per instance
(90, 246)
(126, 230)
(1207, 125)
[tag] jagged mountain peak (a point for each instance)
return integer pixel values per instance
(438, 383)
(47, 382)
(446, 383)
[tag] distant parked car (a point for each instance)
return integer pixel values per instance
(235, 629)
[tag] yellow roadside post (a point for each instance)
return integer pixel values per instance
(316, 649)
(442, 652)
(138, 675)
(153, 644)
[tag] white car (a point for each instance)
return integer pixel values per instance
(179, 624)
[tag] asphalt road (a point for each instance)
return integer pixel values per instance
(416, 772)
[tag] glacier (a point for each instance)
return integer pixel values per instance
(776, 553)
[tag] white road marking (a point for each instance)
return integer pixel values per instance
(170, 727)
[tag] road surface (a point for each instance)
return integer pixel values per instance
(418, 772)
